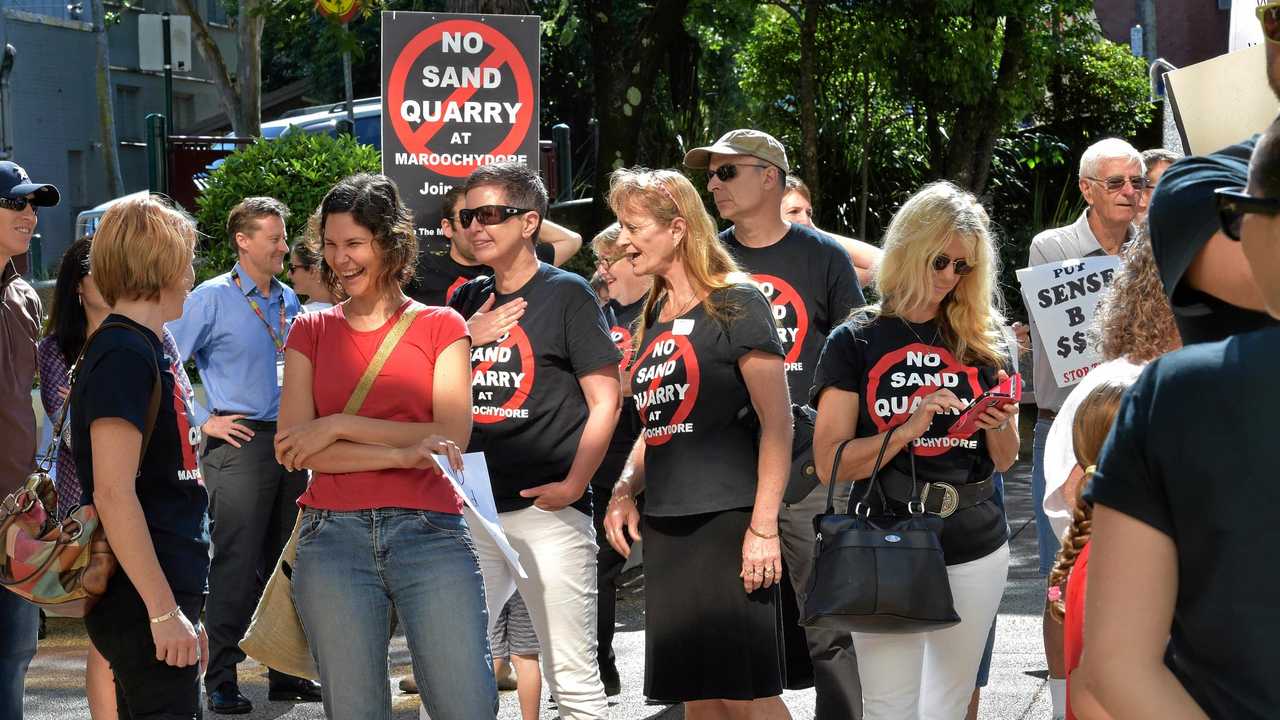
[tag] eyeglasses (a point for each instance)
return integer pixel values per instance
(453, 221)
(729, 171)
(1235, 203)
(294, 268)
(18, 204)
(1115, 183)
(1269, 18)
(960, 265)
(489, 214)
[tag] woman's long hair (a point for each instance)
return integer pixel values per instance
(666, 195)
(1134, 320)
(969, 316)
(68, 323)
(1089, 430)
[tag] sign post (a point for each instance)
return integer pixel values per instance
(342, 11)
(1062, 298)
(458, 92)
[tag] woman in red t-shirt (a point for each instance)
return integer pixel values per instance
(381, 527)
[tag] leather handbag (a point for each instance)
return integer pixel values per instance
(878, 573)
(62, 566)
(276, 637)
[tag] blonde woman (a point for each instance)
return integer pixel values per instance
(910, 364)
(707, 348)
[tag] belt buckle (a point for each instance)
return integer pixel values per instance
(950, 497)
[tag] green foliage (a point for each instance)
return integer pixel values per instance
(297, 169)
(1103, 87)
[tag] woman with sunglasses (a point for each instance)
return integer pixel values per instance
(908, 366)
(304, 271)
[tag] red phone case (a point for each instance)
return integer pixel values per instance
(1006, 392)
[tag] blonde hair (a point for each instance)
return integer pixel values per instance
(1134, 320)
(666, 195)
(970, 316)
(142, 246)
(1089, 430)
(606, 241)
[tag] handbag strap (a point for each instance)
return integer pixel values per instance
(835, 473)
(379, 359)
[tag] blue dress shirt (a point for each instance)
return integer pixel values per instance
(232, 347)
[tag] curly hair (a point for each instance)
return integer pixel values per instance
(1089, 430)
(374, 204)
(1134, 321)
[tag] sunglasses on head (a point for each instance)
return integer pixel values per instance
(1235, 203)
(1269, 18)
(729, 171)
(489, 214)
(959, 265)
(1115, 183)
(18, 204)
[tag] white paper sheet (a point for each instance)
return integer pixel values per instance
(472, 485)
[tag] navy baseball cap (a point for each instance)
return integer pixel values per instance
(15, 183)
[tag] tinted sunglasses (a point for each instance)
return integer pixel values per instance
(729, 171)
(489, 214)
(18, 204)
(959, 265)
(1116, 183)
(1235, 203)
(1269, 18)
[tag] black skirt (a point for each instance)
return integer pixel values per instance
(705, 637)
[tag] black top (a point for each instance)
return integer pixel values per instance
(891, 364)
(1183, 217)
(699, 457)
(1187, 456)
(622, 324)
(115, 380)
(529, 410)
(438, 275)
(811, 283)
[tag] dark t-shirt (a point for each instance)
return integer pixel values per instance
(889, 363)
(115, 380)
(1188, 456)
(528, 409)
(699, 457)
(621, 320)
(811, 284)
(438, 275)
(1183, 217)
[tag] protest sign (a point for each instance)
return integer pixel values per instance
(1221, 101)
(1062, 298)
(473, 487)
(458, 92)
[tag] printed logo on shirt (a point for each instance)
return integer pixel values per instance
(621, 337)
(457, 283)
(666, 384)
(900, 381)
(790, 313)
(502, 377)
(189, 436)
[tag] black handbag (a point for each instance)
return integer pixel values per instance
(881, 573)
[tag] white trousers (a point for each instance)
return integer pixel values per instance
(558, 551)
(930, 676)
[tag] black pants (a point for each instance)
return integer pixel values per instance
(253, 505)
(145, 687)
(608, 569)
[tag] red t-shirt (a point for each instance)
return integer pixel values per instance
(400, 392)
(1073, 623)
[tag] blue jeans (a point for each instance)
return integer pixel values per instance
(19, 626)
(1047, 541)
(352, 568)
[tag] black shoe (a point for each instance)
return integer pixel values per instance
(227, 700)
(612, 683)
(293, 689)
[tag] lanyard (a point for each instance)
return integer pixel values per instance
(276, 339)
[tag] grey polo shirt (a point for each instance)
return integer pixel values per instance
(19, 331)
(1065, 243)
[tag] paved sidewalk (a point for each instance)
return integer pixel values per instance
(55, 685)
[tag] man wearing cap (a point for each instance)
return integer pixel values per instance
(20, 328)
(812, 286)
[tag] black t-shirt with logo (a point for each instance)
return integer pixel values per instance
(622, 326)
(892, 364)
(699, 457)
(115, 380)
(528, 410)
(438, 275)
(811, 283)
(1189, 455)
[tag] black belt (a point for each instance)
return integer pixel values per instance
(256, 425)
(940, 498)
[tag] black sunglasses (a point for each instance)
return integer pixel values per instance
(18, 204)
(1234, 203)
(960, 265)
(1116, 183)
(729, 171)
(489, 214)
(1269, 18)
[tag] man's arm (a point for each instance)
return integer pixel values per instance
(864, 256)
(566, 242)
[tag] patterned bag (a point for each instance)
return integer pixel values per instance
(62, 567)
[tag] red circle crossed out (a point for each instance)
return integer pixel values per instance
(784, 295)
(504, 53)
(519, 340)
(621, 337)
(692, 375)
(891, 360)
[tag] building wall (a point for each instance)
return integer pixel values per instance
(1187, 31)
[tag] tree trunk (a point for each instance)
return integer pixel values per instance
(106, 103)
(221, 76)
(249, 66)
(809, 100)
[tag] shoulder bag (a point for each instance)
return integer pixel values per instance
(63, 566)
(878, 573)
(276, 637)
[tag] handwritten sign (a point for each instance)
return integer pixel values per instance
(473, 486)
(1062, 298)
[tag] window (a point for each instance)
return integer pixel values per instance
(130, 125)
(215, 12)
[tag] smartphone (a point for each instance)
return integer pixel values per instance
(1009, 391)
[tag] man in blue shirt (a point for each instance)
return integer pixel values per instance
(235, 326)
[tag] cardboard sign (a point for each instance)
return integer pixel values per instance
(1222, 101)
(458, 92)
(473, 486)
(1062, 298)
